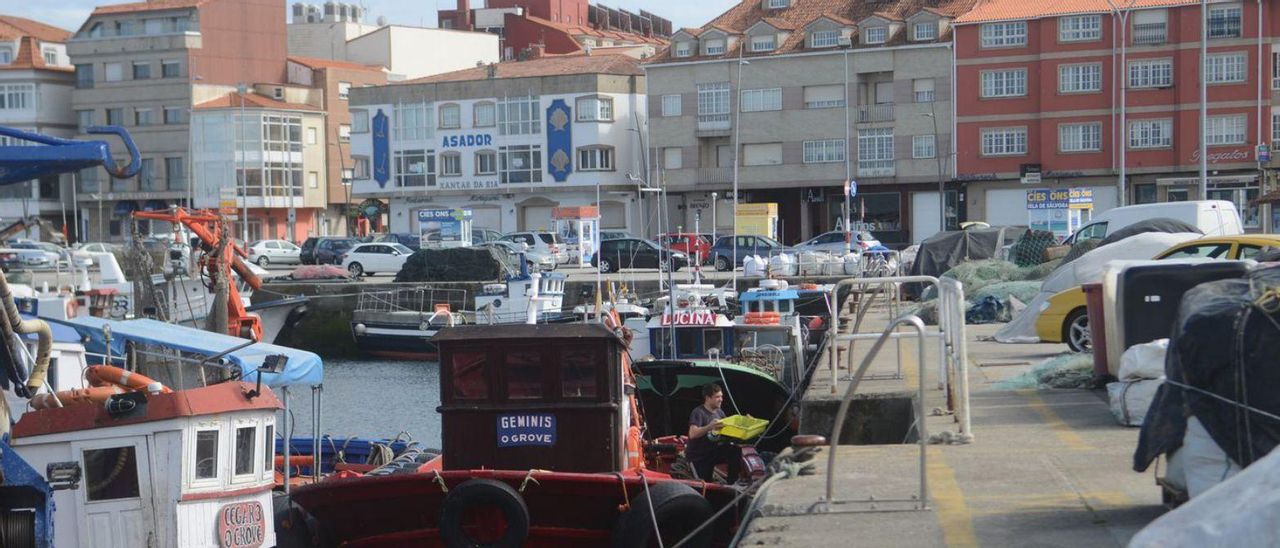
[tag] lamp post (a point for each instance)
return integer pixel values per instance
(714, 195)
(241, 89)
(737, 149)
(848, 153)
(1122, 85)
(1204, 100)
(942, 184)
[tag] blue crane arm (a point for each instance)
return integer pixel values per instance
(23, 163)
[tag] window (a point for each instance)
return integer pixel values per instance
(486, 162)
(84, 76)
(764, 154)
(115, 116)
(6, 55)
(1004, 141)
(595, 109)
(143, 117)
(523, 369)
(829, 96)
(84, 119)
(450, 116)
(1151, 73)
(595, 159)
(875, 35)
(1004, 35)
(246, 438)
(713, 47)
(1144, 193)
(1004, 83)
(924, 31)
(1080, 137)
(313, 136)
(484, 115)
(1080, 78)
(1149, 26)
(520, 164)
(824, 38)
(344, 90)
(713, 102)
(778, 4)
(1224, 22)
(1079, 28)
(360, 167)
(141, 71)
(206, 463)
(450, 164)
(519, 116)
(414, 168)
(672, 158)
(767, 42)
(1151, 133)
(411, 122)
(344, 133)
(17, 96)
(175, 174)
(359, 121)
(50, 56)
(760, 100)
(683, 49)
(922, 88)
(1226, 130)
(1225, 68)
(126, 28)
(111, 473)
(175, 115)
(1275, 131)
(671, 105)
(147, 174)
(170, 69)
(875, 149)
(469, 379)
(824, 151)
(924, 146)
(578, 367)
(268, 447)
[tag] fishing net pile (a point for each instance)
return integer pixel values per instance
(1069, 370)
(1029, 249)
(463, 264)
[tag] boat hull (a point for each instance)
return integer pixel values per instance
(670, 390)
(395, 342)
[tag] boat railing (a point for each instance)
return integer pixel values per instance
(416, 299)
(769, 358)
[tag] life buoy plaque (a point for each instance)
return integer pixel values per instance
(241, 525)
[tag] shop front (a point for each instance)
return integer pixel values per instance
(512, 212)
(1061, 211)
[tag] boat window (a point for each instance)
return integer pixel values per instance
(687, 342)
(659, 342)
(578, 365)
(524, 374)
(468, 376)
(713, 338)
(245, 437)
(269, 447)
(111, 473)
(206, 454)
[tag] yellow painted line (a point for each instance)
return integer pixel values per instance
(948, 500)
(1060, 428)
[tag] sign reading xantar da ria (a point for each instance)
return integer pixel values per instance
(527, 429)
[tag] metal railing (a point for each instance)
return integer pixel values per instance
(714, 122)
(410, 300)
(708, 175)
(1149, 33)
(882, 112)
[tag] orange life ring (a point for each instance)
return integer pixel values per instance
(99, 375)
(635, 455)
(96, 395)
(763, 318)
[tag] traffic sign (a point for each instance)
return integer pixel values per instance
(851, 188)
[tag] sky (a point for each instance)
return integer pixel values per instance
(69, 14)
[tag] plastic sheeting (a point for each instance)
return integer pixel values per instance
(944, 250)
(1159, 224)
(1087, 269)
(1130, 399)
(1144, 361)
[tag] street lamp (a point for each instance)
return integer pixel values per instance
(714, 195)
(942, 191)
(737, 149)
(241, 89)
(1123, 86)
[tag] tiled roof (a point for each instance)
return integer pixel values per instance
(252, 100)
(316, 63)
(584, 30)
(779, 23)
(691, 31)
(149, 5)
(30, 57)
(802, 12)
(12, 28)
(1013, 10)
(557, 65)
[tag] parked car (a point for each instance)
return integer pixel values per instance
(325, 250)
(1065, 315)
(723, 257)
(35, 255)
(542, 242)
(615, 255)
(697, 246)
(833, 242)
(535, 259)
(371, 258)
(484, 235)
(269, 252)
(614, 235)
(407, 239)
(1212, 217)
(10, 259)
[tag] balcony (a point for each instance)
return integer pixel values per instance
(714, 125)
(875, 168)
(713, 175)
(882, 112)
(1149, 33)
(1224, 27)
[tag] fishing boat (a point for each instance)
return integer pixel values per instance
(542, 446)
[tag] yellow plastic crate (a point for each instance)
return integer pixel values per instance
(743, 427)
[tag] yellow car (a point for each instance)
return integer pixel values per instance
(1066, 320)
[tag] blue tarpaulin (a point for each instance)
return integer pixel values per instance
(303, 368)
(61, 333)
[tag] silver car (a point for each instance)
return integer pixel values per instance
(535, 258)
(268, 252)
(39, 254)
(833, 242)
(541, 242)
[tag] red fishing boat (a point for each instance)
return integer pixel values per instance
(543, 446)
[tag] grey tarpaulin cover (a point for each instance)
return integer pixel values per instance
(1224, 344)
(1159, 224)
(944, 250)
(462, 264)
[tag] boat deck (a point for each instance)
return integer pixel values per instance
(1046, 468)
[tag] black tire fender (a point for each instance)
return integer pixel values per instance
(678, 509)
(483, 493)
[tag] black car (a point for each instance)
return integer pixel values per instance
(636, 253)
(325, 250)
(411, 241)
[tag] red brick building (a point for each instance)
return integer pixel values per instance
(558, 26)
(1036, 92)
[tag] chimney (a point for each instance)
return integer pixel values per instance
(491, 71)
(464, 15)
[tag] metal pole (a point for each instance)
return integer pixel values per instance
(848, 153)
(1124, 88)
(737, 146)
(244, 175)
(942, 183)
(1204, 100)
(288, 434)
(75, 203)
(713, 217)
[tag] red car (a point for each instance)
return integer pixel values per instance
(694, 245)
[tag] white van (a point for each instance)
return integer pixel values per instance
(1213, 217)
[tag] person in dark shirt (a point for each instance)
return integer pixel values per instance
(703, 451)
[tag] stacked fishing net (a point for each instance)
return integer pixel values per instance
(466, 264)
(1029, 250)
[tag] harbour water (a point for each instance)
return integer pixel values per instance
(375, 399)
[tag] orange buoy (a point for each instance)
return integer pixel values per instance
(100, 375)
(97, 395)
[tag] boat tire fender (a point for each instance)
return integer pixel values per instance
(486, 493)
(678, 508)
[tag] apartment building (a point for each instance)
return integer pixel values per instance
(1071, 95)
(269, 145)
(36, 79)
(139, 65)
(560, 26)
(509, 141)
(803, 96)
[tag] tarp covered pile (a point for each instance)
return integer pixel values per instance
(463, 264)
(944, 250)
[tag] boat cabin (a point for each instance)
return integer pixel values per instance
(510, 302)
(521, 397)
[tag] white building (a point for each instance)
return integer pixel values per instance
(510, 141)
(36, 79)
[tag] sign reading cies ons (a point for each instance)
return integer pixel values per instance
(527, 429)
